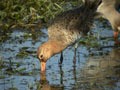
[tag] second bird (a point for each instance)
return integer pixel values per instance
(108, 9)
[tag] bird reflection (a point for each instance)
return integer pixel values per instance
(74, 74)
(96, 64)
(98, 72)
(61, 76)
(102, 70)
(43, 84)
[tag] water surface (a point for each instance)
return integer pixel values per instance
(96, 68)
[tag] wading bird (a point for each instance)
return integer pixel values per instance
(67, 29)
(108, 9)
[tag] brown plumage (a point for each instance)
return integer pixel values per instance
(66, 29)
(108, 9)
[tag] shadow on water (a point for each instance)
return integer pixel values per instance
(95, 68)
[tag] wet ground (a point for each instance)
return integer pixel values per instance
(97, 68)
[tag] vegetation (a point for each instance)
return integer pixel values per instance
(31, 12)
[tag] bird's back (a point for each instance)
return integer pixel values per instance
(70, 25)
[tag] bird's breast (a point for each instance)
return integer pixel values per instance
(73, 37)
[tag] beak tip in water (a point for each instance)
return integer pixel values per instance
(43, 66)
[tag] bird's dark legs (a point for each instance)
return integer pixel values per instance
(74, 59)
(61, 59)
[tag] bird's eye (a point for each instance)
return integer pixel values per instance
(41, 56)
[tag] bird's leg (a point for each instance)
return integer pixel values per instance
(74, 59)
(75, 49)
(116, 37)
(61, 59)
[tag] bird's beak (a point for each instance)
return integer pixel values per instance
(43, 66)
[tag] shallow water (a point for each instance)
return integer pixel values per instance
(95, 69)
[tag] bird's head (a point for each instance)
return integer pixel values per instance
(47, 50)
(44, 53)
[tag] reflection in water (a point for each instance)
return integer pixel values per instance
(61, 76)
(103, 72)
(44, 84)
(99, 73)
(74, 74)
(74, 66)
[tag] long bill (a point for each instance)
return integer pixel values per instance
(43, 66)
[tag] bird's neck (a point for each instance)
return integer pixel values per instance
(56, 46)
(110, 13)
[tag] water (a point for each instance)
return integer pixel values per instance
(95, 69)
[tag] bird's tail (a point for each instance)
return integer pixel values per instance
(92, 4)
(89, 12)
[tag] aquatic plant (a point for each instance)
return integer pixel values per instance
(26, 13)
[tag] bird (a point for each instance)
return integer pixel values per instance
(66, 29)
(107, 9)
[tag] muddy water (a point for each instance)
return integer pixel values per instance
(95, 69)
